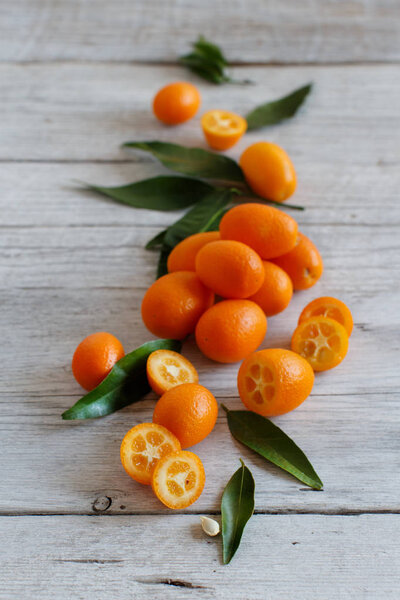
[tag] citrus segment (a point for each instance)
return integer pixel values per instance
(230, 269)
(167, 369)
(178, 479)
(272, 382)
(143, 446)
(322, 341)
(326, 306)
(183, 256)
(222, 129)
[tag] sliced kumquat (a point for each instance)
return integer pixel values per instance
(222, 129)
(333, 308)
(178, 479)
(143, 446)
(322, 341)
(167, 369)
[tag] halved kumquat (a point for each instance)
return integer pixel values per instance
(322, 341)
(143, 446)
(326, 306)
(222, 129)
(167, 369)
(178, 479)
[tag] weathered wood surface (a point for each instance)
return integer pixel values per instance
(251, 31)
(85, 111)
(72, 262)
(307, 557)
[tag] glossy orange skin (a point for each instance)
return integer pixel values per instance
(268, 230)
(95, 357)
(269, 171)
(275, 381)
(322, 341)
(166, 369)
(189, 411)
(135, 458)
(326, 306)
(303, 264)
(176, 102)
(276, 292)
(171, 467)
(230, 269)
(174, 303)
(183, 256)
(230, 330)
(222, 129)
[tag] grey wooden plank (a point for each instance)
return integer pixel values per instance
(303, 556)
(285, 31)
(85, 111)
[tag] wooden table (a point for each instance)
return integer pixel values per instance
(77, 80)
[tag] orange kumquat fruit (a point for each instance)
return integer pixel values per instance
(326, 306)
(303, 263)
(183, 256)
(322, 341)
(222, 129)
(276, 292)
(95, 357)
(167, 369)
(178, 479)
(176, 102)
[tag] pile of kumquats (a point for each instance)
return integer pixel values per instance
(221, 286)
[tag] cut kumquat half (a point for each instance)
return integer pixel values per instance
(166, 369)
(143, 446)
(178, 479)
(222, 129)
(333, 308)
(322, 341)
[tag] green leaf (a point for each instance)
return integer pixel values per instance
(274, 112)
(125, 384)
(195, 162)
(237, 506)
(204, 216)
(208, 61)
(158, 193)
(265, 438)
(156, 241)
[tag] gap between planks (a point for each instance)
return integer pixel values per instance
(160, 513)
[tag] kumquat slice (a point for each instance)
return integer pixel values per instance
(178, 479)
(326, 306)
(143, 446)
(166, 369)
(322, 341)
(222, 129)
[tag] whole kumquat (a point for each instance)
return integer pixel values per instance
(176, 102)
(275, 381)
(222, 129)
(268, 171)
(174, 303)
(183, 256)
(276, 291)
(143, 446)
(322, 341)
(230, 330)
(166, 369)
(189, 411)
(95, 357)
(326, 306)
(268, 230)
(303, 263)
(178, 479)
(230, 269)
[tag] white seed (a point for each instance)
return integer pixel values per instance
(209, 526)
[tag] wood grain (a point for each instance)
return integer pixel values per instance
(307, 557)
(251, 31)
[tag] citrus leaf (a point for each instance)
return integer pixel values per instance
(237, 506)
(158, 193)
(195, 162)
(274, 112)
(125, 384)
(265, 438)
(208, 61)
(156, 241)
